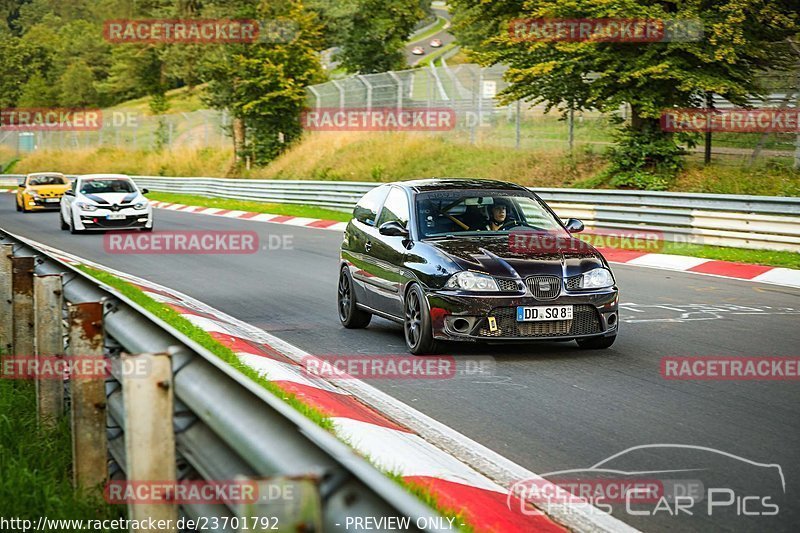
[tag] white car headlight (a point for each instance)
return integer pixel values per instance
(472, 281)
(140, 205)
(598, 278)
(83, 206)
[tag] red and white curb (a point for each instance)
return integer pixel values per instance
(464, 475)
(696, 265)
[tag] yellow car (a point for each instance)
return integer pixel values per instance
(40, 191)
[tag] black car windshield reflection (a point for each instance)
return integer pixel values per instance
(482, 213)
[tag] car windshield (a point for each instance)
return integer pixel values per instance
(95, 186)
(481, 212)
(47, 180)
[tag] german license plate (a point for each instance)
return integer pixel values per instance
(52, 200)
(544, 312)
(115, 216)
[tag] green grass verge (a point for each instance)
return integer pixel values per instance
(203, 338)
(437, 54)
(739, 255)
(433, 30)
(36, 465)
(256, 207)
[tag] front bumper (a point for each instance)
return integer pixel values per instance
(466, 317)
(98, 220)
(41, 204)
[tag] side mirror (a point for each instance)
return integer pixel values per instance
(21, 185)
(145, 191)
(574, 225)
(69, 192)
(393, 229)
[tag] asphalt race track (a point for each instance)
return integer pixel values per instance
(548, 407)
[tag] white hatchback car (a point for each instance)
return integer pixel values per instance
(105, 202)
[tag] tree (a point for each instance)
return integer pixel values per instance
(77, 86)
(371, 34)
(741, 38)
(263, 84)
(37, 92)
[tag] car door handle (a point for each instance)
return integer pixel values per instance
(368, 246)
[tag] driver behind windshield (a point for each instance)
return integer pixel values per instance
(498, 215)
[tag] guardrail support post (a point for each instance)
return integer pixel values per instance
(22, 301)
(149, 435)
(47, 309)
(89, 448)
(6, 299)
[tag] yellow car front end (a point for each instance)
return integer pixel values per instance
(39, 193)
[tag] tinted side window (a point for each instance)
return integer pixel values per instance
(395, 208)
(367, 208)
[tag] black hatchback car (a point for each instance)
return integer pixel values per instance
(473, 260)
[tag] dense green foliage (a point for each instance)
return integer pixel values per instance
(53, 54)
(741, 40)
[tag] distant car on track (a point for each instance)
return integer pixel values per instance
(436, 43)
(473, 260)
(41, 191)
(105, 202)
(418, 51)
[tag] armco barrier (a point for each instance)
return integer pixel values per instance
(219, 426)
(759, 222)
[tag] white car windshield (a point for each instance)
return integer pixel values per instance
(481, 212)
(99, 186)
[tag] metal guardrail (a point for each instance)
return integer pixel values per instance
(759, 222)
(224, 425)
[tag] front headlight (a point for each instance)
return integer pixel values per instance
(140, 205)
(35, 195)
(472, 281)
(598, 278)
(83, 206)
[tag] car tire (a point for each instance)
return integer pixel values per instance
(16, 204)
(596, 343)
(350, 315)
(72, 229)
(417, 327)
(64, 225)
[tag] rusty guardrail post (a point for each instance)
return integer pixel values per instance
(47, 310)
(23, 333)
(6, 299)
(88, 405)
(149, 434)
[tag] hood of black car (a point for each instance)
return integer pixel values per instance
(499, 256)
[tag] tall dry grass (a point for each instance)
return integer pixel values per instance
(213, 162)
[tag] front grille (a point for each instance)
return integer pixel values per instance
(508, 285)
(544, 287)
(585, 321)
(573, 282)
(103, 222)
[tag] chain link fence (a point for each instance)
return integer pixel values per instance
(471, 92)
(127, 129)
